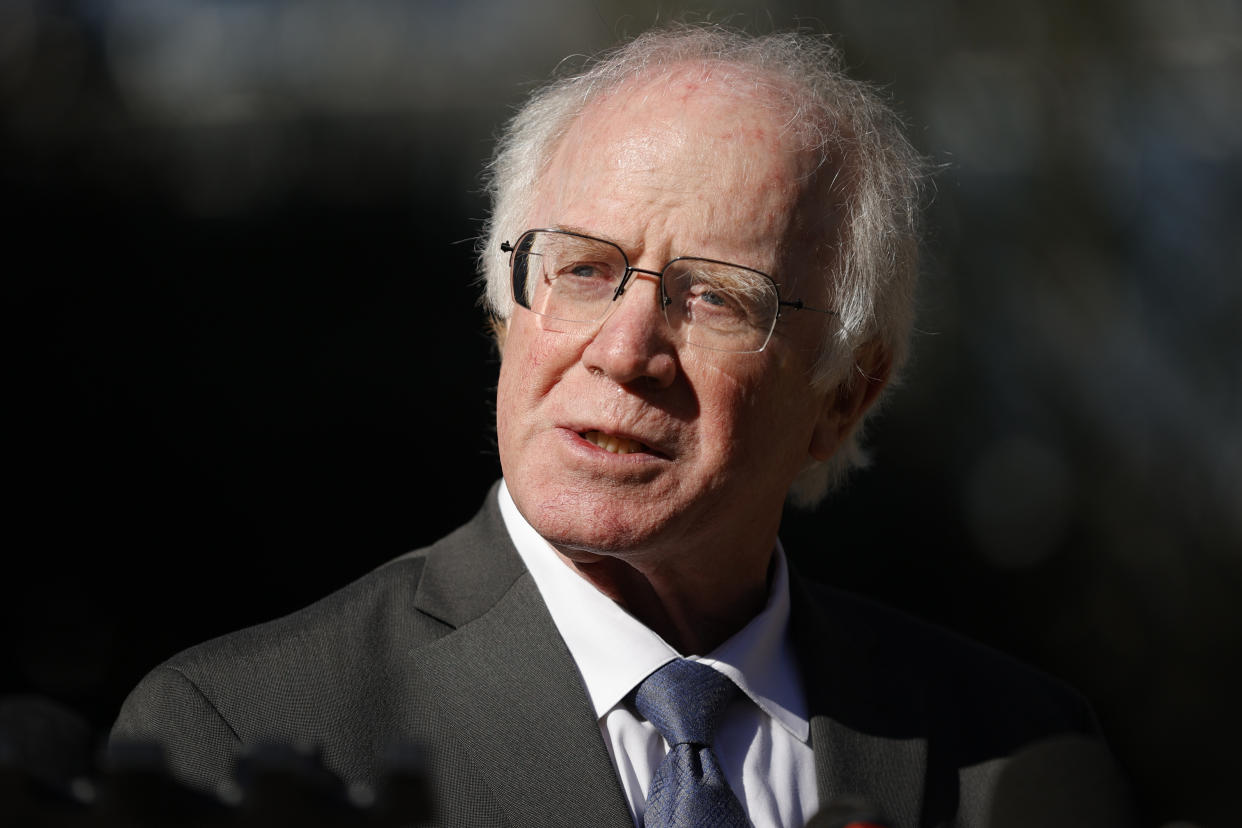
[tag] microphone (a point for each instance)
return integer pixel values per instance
(135, 788)
(848, 812)
(45, 754)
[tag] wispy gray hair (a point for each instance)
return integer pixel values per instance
(870, 214)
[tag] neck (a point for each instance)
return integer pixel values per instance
(694, 611)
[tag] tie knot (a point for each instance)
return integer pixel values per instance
(685, 700)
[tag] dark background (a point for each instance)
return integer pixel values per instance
(247, 363)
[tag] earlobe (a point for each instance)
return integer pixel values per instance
(500, 332)
(844, 407)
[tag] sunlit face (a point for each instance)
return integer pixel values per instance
(621, 439)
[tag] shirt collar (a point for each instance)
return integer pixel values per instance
(614, 651)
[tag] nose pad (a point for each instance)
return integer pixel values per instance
(628, 344)
(631, 279)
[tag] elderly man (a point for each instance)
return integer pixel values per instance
(700, 265)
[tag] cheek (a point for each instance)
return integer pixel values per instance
(533, 363)
(515, 368)
(731, 407)
(759, 414)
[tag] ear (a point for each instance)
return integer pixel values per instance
(500, 332)
(844, 406)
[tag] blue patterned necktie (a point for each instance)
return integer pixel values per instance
(685, 700)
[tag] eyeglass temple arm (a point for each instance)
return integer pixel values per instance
(798, 304)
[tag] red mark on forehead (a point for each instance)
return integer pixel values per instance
(756, 134)
(688, 88)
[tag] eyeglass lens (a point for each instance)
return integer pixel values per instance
(575, 279)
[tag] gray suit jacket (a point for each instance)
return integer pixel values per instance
(451, 647)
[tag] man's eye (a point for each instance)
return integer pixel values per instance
(714, 298)
(585, 271)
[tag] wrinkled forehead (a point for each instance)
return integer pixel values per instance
(723, 108)
(701, 85)
(713, 150)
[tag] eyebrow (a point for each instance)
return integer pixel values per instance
(626, 247)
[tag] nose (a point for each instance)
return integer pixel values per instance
(633, 343)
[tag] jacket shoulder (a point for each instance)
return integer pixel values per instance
(930, 681)
(335, 673)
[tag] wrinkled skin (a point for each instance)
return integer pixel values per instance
(680, 533)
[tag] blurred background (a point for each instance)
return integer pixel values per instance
(247, 363)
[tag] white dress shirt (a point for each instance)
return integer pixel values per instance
(764, 739)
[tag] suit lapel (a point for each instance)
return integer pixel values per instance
(866, 734)
(505, 688)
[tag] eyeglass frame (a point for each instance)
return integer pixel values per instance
(665, 299)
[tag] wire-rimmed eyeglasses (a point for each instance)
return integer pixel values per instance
(575, 278)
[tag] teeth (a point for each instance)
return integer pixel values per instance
(617, 445)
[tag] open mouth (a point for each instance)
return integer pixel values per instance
(613, 443)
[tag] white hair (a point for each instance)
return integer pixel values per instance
(869, 218)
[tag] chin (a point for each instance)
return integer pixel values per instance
(595, 524)
(594, 534)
